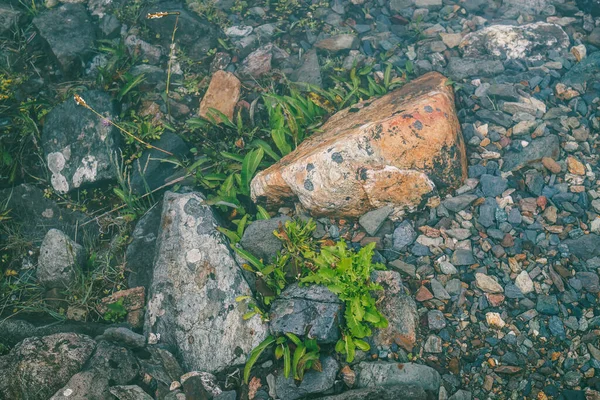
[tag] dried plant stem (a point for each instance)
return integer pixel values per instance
(171, 52)
(80, 101)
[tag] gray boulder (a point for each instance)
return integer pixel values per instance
(79, 146)
(531, 41)
(584, 247)
(59, 261)
(404, 236)
(70, 34)
(400, 310)
(314, 382)
(195, 34)
(45, 363)
(546, 146)
(259, 240)
(310, 70)
(192, 304)
(374, 374)
(162, 367)
(312, 309)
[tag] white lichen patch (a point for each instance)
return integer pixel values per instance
(56, 163)
(86, 172)
(48, 213)
(193, 256)
(155, 308)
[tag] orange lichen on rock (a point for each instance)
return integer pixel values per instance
(395, 150)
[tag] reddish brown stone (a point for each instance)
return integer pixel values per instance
(223, 94)
(423, 294)
(391, 151)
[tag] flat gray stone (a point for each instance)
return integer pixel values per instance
(373, 220)
(311, 308)
(373, 374)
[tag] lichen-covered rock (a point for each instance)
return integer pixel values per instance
(531, 41)
(59, 260)
(69, 31)
(312, 310)
(399, 309)
(395, 151)
(129, 392)
(196, 280)
(162, 367)
(45, 364)
(222, 94)
(79, 146)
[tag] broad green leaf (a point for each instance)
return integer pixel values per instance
(262, 213)
(287, 361)
(298, 354)
(254, 354)
(249, 167)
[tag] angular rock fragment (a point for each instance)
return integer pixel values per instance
(59, 260)
(222, 94)
(69, 31)
(192, 302)
(394, 151)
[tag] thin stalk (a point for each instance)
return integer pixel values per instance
(80, 101)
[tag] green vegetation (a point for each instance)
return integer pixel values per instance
(345, 272)
(116, 312)
(226, 154)
(305, 355)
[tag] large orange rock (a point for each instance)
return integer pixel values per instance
(397, 150)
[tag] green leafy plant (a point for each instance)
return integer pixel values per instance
(116, 312)
(348, 274)
(345, 272)
(298, 356)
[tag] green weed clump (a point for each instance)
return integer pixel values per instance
(344, 271)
